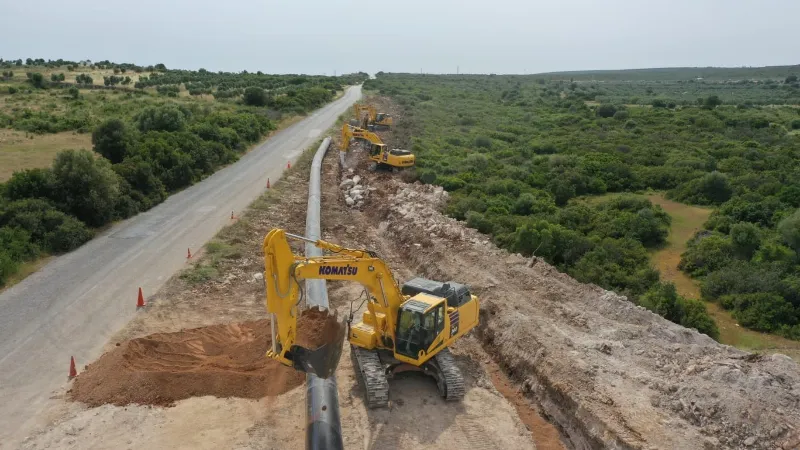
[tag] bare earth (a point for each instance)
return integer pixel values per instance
(603, 372)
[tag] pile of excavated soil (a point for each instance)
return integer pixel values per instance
(607, 372)
(220, 360)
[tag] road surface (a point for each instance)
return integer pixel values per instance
(73, 305)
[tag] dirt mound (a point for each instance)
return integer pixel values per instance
(219, 360)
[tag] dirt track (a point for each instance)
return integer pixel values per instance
(606, 373)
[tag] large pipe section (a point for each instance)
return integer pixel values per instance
(323, 428)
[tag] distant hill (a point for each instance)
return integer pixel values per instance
(678, 73)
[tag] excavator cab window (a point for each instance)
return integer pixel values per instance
(416, 330)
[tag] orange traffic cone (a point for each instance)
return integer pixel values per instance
(188, 253)
(140, 301)
(289, 165)
(267, 183)
(72, 372)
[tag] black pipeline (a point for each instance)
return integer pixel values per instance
(323, 428)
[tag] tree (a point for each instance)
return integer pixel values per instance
(31, 183)
(789, 228)
(74, 93)
(163, 118)
(706, 254)
(761, 311)
(695, 315)
(712, 101)
(606, 110)
(746, 239)
(86, 187)
(84, 79)
(659, 103)
(791, 79)
(562, 191)
(36, 79)
(663, 300)
(255, 96)
(113, 140)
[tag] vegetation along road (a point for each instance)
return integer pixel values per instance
(78, 300)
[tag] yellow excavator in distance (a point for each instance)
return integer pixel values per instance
(372, 117)
(408, 327)
(379, 152)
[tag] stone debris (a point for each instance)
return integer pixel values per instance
(355, 194)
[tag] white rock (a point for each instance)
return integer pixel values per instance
(349, 201)
(356, 179)
(358, 186)
(346, 184)
(359, 204)
(371, 189)
(349, 170)
(258, 276)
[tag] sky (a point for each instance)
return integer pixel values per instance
(432, 36)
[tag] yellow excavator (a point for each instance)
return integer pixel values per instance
(408, 327)
(379, 152)
(372, 116)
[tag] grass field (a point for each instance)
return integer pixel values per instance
(20, 150)
(686, 220)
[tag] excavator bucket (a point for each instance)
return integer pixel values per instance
(323, 360)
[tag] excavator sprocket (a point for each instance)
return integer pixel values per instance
(373, 377)
(449, 380)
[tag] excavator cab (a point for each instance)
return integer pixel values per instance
(419, 325)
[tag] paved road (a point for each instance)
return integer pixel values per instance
(77, 301)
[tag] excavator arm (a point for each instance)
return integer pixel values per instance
(283, 274)
(351, 132)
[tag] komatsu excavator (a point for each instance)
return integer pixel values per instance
(372, 116)
(379, 152)
(408, 327)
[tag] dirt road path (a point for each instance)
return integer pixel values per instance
(74, 304)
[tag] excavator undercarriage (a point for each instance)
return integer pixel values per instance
(376, 368)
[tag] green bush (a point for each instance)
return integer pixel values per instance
(713, 188)
(113, 140)
(606, 110)
(49, 229)
(85, 187)
(789, 229)
(761, 311)
(162, 118)
(255, 96)
(706, 254)
(483, 142)
(746, 239)
(8, 266)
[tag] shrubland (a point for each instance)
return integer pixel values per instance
(528, 159)
(147, 142)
